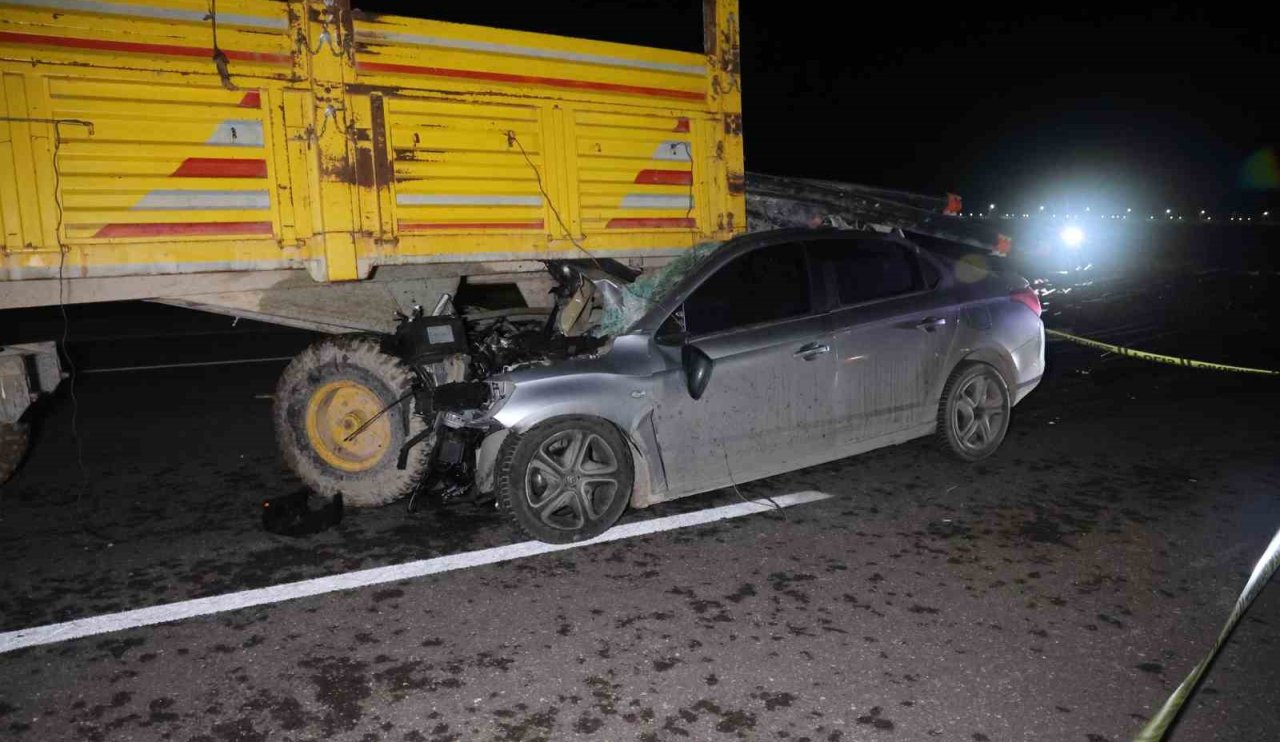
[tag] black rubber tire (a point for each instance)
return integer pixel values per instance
(948, 434)
(15, 439)
(513, 464)
(356, 358)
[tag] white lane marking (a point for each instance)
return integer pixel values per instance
(464, 199)
(151, 11)
(651, 201)
(202, 200)
(94, 625)
(527, 51)
(185, 365)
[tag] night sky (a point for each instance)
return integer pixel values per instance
(1051, 104)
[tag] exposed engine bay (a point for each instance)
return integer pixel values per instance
(453, 355)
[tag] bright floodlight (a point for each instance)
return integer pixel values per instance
(1072, 236)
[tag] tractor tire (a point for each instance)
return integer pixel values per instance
(327, 392)
(15, 439)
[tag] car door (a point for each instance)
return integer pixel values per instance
(892, 334)
(772, 373)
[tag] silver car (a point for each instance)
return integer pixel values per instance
(770, 353)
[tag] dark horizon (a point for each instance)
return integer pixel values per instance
(1146, 110)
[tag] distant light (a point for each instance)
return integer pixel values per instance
(1128, 211)
(1086, 208)
(1266, 213)
(1072, 236)
(1168, 211)
(992, 207)
(1042, 208)
(1202, 211)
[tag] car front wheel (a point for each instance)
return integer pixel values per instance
(973, 415)
(566, 479)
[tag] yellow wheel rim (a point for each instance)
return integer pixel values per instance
(334, 412)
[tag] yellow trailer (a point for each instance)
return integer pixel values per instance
(181, 148)
(301, 162)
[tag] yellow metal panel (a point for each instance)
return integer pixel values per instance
(636, 171)
(274, 136)
(203, 163)
(449, 56)
(21, 132)
(638, 150)
(10, 209)
(164, 35)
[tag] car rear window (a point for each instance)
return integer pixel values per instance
(857, 271)
(764, 285)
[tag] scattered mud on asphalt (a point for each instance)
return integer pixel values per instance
(1056, 591)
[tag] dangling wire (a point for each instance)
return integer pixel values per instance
(537, 174)
(219, 57)
(62, 299)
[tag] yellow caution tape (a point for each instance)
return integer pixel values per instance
(1144, 355)
(1155, 729)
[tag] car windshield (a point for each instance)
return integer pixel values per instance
(651, 289)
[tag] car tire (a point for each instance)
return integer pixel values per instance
(565, 480)
(329, 390)
(15, 438)
(973, 415)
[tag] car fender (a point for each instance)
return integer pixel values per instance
(621, 400)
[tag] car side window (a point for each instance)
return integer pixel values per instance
(765, 285)
(857, 271)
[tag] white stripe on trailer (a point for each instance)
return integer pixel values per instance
(676, 150)
(94, 625)
(651, 201)
(183, 200)
(529, 51)
(464, 199)
(151, 11)
(238, 133)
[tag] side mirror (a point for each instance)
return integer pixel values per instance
(697, 369)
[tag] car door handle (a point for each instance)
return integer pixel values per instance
(929, 324)
(812, 350)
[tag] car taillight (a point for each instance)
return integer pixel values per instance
(1028, 297)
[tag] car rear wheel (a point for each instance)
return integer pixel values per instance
(973, 415)
(328, 393)
(566, 479)
(14, 441)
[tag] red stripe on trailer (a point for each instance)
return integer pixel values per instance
(251, 99)
(954, 205)
(436, 226)
(1003, 244)
(178, 229)
(649, 222)
(664, 177)
(555, 82)
(133, 47)
(220, 167)
(682, 125)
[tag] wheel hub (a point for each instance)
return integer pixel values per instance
(337, 410)
(978, 414)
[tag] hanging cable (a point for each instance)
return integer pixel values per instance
(220, 60)
(63, 249)
(513, 139)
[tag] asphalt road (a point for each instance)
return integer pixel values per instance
(1057, 591)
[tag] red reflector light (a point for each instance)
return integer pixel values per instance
(1028, 297)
